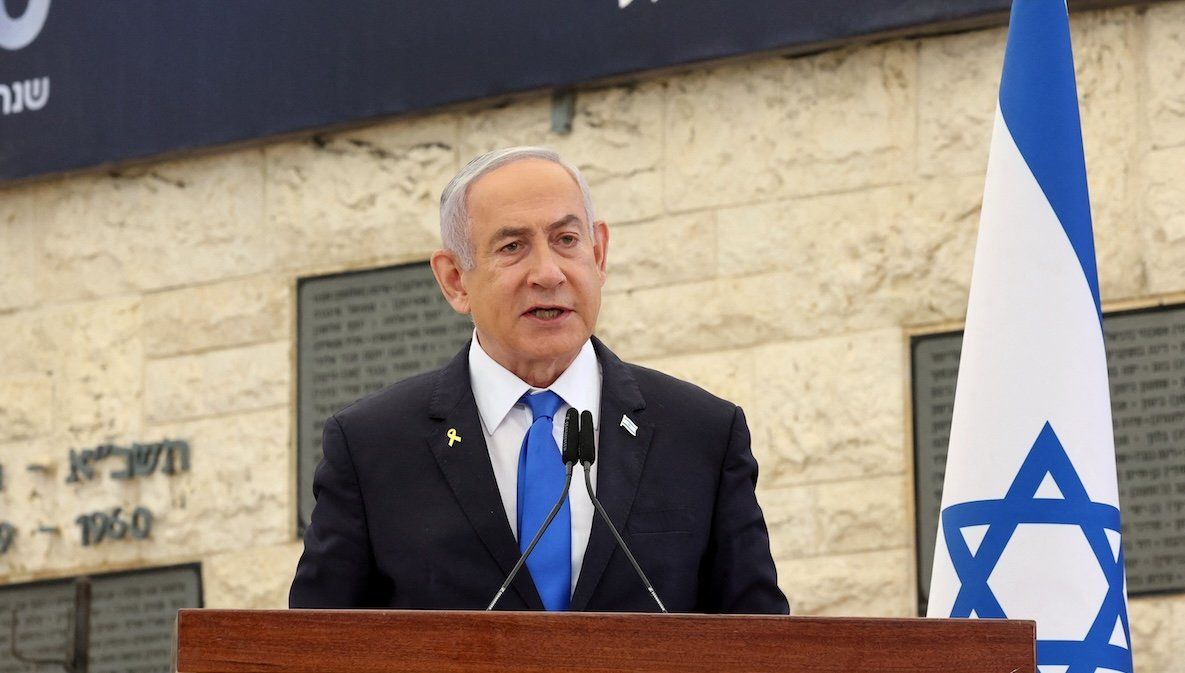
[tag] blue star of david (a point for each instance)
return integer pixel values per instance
(1019, 505)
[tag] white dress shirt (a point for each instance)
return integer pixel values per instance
(504, 422)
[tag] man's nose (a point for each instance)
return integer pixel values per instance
(545, 268)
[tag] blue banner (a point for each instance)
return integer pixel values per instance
(84, 83)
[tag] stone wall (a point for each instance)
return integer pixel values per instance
(780, 227)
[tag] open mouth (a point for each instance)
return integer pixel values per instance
(547, 313)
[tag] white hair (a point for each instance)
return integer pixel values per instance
(454, 206)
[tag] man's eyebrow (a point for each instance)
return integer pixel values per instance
(514, 232)
(509, 232)
(563, 222)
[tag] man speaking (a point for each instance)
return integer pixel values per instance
(431, 488)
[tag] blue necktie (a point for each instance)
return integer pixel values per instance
(540, 482)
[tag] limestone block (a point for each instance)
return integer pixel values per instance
(217, 382)
(777, 127)
(837, 517)
(92, 354)
(793, 521)
(27, 345)
(865, 514)
(676, 249)
(237, 493)
(889, 256)
(830, 408)
(257, 578)
(98, 379)
(26, 406)
(726, 374)
(30, 500)
(958, 87)
(1164, 59)
(960, 76)
(230, 313)
(20, 263)
(870, 584)
(616, 142)
(364, 196)
(695, 317)
(1155, 636)
(1162, 230)
(187, 221)
(1107, 73)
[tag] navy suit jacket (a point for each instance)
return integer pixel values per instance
(403, 520)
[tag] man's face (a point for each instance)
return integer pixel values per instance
(535, 289)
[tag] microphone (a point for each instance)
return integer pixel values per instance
(569, 454)
(588, 455)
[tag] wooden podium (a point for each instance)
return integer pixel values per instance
(350, 641)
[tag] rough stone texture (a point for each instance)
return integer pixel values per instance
(831, 408)
(727, 374)
(29, 500)
(257, 578)
(896, 255)
(835, 121)
(695, 317)
(959, 77)
(27, 346)
(1154, 631)
(1107, 73)
(1163, 58)
(221, 315)
(616, 141)
(821, 520)
(98, 379)
(959, 81)
(19, 243)
(27, 407)
(1162, 229)
(870, 584)
(237, 494)
(92, 354)
(156, 226)
(217, 382)
(678, 249)
(360, 197)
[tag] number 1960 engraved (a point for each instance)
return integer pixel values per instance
(114, 525)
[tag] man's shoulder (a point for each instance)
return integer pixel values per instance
(686, 399)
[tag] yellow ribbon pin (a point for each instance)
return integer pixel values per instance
(453, 436)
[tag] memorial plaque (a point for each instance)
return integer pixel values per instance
(1146, 368)
(357, 333)
(132, 619)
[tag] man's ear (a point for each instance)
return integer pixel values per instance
(447, 269)
(601, 246)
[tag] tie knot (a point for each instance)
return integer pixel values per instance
(543, 404)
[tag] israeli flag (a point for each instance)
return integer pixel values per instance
(1029, 527)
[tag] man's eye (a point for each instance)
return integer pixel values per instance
(569, 239)
(511, 247)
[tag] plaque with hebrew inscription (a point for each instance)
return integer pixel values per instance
(357, 333)
(131, 621)
(1146, 368)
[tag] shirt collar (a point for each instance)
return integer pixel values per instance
(496, 390)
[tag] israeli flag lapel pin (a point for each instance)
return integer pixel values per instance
(630, 426)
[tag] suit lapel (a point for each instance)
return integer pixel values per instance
(467, 468)
(620, 457)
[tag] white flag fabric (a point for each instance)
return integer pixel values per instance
(1029, 527)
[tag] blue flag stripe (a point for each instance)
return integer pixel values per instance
(1039, 103)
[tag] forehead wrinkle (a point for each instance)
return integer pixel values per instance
(512, 231)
